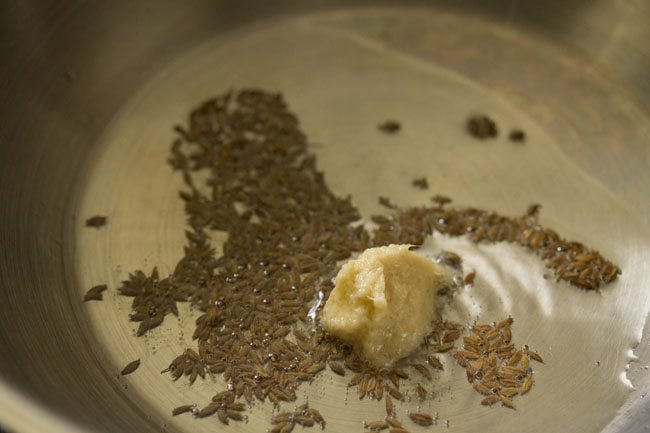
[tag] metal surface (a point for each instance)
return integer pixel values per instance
(578, 69)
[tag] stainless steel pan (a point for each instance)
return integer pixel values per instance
(68, 67)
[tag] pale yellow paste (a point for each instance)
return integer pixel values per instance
(384, 302)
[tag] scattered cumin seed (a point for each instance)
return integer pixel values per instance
(130, 367)
(482, 127)
(96, 221)
(421, 183)
(95, 293)
(375, 425)
(183, 409)
(337, 368)
(389, 127)
(421, 419)
(469, 278)
(434, 362)
(440, 200)
(422, 393)
(517, 136)
(389, 406)
(385, 201)
(394, 422)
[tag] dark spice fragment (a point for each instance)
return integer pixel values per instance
(517, 136)
(95, 293)
(130, 367)
(420, 182)
(389, 127)
(440, 200)
(96, 221)
(482, 127)
(385, 201)
(533, 210)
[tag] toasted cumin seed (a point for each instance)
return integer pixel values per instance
(440, 200)
(208, 410)
(525, 361)
(303, 420)
(372, 383)
(421, 183)
(515, 358)
(316, 416)
(490, 400)
(234, 415)
(301, 410)
(394, 392)
(535, 356)
(96, 221)
(149, 323)
(282, 418)
(394, 422)
(385, 201)
(512, 371)
(277, 428)
(441, 348)
(354, 365)
(379, 389)
(362, 388)
(493, 333)
(450, 336)
(505, 401)
(469, 278)
(533, 209)
(356, 379)
(421, 419)
(183, 409)
(527, 385)
(394, 379)
(451, 259)
(130, 367)
(490, 374)
(375, 425)
(389, 406)
(95, 293)
(460, 358)
(221, 414)
(288, 428)
(224, 396)
(422, 393)
(389, 127)
(509, 382)
(423, 370)
(509, 392)
(434, 362)
(237, 406)
(337, 368)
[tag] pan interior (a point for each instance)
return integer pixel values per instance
(342, 74)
